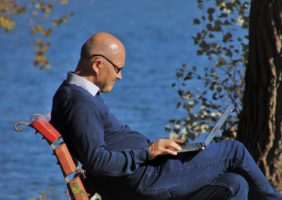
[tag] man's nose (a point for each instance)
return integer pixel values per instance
(119, 75)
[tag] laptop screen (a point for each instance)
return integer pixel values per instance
(218, 124)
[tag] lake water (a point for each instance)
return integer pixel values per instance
(157, 35)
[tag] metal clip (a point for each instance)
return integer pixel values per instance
(34, 116)
(18, 124)
(81, 172)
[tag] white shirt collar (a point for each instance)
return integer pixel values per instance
(75, 79)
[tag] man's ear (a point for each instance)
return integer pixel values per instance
(97, 65)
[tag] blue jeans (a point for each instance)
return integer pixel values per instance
(225, 164)
(226, 186)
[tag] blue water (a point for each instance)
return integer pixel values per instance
(157, 35)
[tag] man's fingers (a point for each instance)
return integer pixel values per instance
(165, 146)
(173, 144)
(169, 151)
(178, 141)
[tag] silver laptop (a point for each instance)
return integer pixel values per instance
(202, 144)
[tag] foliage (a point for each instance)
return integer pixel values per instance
(44, 195)
(41, 23)
(222, 43)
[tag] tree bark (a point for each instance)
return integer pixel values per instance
(260, 122)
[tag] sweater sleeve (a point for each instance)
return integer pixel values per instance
(86, 125)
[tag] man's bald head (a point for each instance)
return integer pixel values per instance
(102, 44)
(101, 59)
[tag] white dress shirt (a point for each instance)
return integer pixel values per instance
(90, 87)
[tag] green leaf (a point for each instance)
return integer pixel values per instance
(211, 11)
(196, 21)
(227, 37)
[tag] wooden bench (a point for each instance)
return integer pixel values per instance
(72, 174)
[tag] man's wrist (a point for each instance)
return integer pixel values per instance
(151, 150)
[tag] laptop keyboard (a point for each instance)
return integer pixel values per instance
(193, 146)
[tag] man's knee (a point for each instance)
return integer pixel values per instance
(235, 144)
(236, 147)
(236, 183)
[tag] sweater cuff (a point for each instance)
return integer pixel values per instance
(142, 155)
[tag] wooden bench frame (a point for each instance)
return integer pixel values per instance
(72, 174)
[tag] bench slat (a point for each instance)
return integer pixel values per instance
(75, 186)
(43, 126)
(78, 189)
(65, 159)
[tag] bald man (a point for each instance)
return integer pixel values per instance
(121, 163)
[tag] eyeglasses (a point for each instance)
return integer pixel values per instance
(116, 68)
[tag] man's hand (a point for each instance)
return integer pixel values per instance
(164, 146)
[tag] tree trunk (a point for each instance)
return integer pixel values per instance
(260, 123)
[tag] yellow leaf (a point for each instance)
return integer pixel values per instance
(47, 32)
(6, 23)
(38, 5)
(64, 2)
(65, 20)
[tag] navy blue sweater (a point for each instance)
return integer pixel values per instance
(94, 136)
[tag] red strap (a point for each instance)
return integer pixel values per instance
(43, 126)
